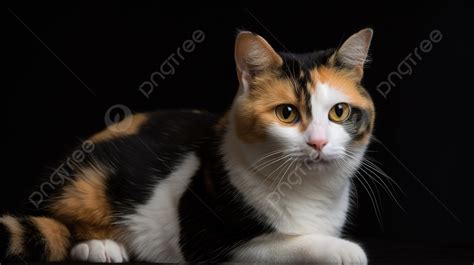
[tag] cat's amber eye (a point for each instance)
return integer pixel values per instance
(340, 112)
(287, 113)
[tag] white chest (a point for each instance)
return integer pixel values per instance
(299, 206)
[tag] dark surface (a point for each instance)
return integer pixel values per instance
(417, 252)
(111, 50)
(406, 253)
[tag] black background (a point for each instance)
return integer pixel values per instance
(111, 50)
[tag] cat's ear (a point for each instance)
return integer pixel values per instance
(253, 55)
(354, 51)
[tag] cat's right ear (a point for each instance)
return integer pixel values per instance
(253, 55)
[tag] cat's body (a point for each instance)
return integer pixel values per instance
(267, 182)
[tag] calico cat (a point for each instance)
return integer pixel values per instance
(269, 181)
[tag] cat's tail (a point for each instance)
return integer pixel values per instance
(33, 239)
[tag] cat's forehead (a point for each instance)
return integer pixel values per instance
(342, 83)
(307, 72)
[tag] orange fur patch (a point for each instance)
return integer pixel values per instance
(344, 82)
(85, 208)
(129, 126)
(257, 110)
(56, 237)
(84, 200)
(16, 234)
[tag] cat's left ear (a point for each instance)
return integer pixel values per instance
(354, 51)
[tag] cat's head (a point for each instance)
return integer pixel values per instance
(311, 106)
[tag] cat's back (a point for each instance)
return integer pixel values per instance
(178, 128)
(148, 148)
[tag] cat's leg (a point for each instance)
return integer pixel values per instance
(99, 251)
(300, 249)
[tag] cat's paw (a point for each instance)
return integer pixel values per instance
(99, 251)
(345, 252)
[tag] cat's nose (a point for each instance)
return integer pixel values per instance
(318, 144)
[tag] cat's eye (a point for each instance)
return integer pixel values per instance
(287, 113)
(340, 112)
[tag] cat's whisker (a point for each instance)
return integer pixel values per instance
(380, 171)
(288, 158)
(271, 162)
(371, 197)
(286, 171)
(376, 170)
(279, 169)
(372, 159)
(381, 174)
(367, 187)
(372, 175)
(274, 152)
(372, 171)
(267, 155)
(376, 181)
(374, 205)
(264, 160)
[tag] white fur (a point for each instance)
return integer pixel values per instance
(103, 251)
(316, 204)
(154, 230)
(311, 249)
(322, 101)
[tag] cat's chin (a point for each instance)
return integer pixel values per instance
(321, 161)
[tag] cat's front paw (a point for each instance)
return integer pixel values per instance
(99, 251)
(344, 252)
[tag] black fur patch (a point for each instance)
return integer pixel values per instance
(34, 244)
(140, 161)
(357, 124)
(213, 223)
(4, 241)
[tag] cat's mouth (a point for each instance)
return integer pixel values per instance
(319, 158)
(323, 160)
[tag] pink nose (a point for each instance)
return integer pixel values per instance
(318, 144)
